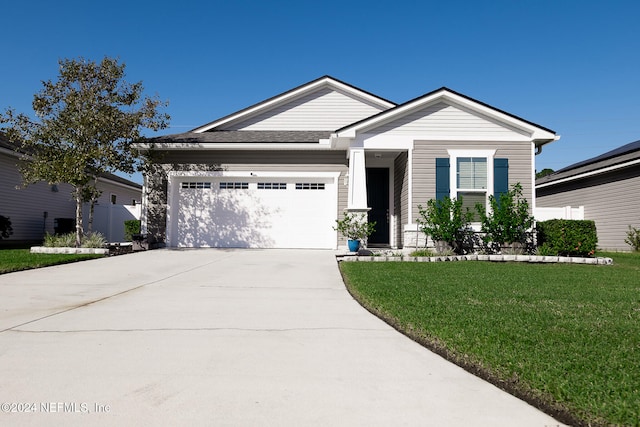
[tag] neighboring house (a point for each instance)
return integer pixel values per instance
(603, 185)
(38, 208)
(279, 173)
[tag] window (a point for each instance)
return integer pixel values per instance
(473, 175)
(113, 199)
(196, 185)
(234, 185)
(272, 186)
(310, 186)
(471, 182)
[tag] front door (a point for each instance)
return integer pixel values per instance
(378, 201)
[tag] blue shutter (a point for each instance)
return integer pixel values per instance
(442, 178)
(500, 177)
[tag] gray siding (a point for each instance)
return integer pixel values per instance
(609, 199)
(425, 153)
(401, 196)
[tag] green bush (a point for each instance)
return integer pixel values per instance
(566, 237)
(633, 238)
(5, 227)
(90, 240)
(60, 240)
(131, 227)
(507, 222)
(445, 221)
(93, 240)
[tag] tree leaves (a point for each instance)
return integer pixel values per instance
(87, 121)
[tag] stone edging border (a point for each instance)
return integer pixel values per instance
(46, 250)
(492, 258)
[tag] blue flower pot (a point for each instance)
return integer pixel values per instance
(354, 245)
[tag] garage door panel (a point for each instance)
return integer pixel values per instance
(269, 216)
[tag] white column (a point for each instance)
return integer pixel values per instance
(357, 181)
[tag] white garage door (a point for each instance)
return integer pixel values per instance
(233, 212)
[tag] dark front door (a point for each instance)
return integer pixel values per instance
(378, 201)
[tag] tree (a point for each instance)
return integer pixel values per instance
(86, 124)
(544, 172)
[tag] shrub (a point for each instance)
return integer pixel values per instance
(508, 220)
(633, 238)
(566, 237)
(422, 253)
(93, 240)
(445, 221)
(90, 240)
(67, 240)
(5, 227)
(131, 227)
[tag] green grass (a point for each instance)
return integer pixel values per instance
(564, 337)
(22, 259)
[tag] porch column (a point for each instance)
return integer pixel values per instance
(357, 181)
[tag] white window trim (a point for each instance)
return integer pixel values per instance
(453, 171)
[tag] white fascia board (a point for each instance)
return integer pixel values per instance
(292, 95)
(252, 174)
(258, 146)
(591, 173)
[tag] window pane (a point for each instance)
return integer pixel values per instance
(472, 173)
(469, 200)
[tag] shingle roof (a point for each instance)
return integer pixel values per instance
(614, 157)
(244, 136)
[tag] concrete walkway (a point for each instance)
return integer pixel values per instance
(221, 337)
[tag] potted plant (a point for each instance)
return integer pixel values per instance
(355, 228)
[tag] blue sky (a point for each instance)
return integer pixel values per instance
(572, 66)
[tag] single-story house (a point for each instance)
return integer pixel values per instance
(279, 173)
(602, 185)
(42, 208)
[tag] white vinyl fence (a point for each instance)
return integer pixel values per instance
(567, 212)
(109, 219)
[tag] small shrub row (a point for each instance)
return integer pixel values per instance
(89, 240)
(507, 223)
(566, 237)
(507, 227)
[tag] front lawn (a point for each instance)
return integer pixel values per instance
(564, 337)
(22, 259)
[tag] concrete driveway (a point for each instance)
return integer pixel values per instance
(221, 337)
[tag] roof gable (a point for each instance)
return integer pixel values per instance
(445, 101)
(323, 104)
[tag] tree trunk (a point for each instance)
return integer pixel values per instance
(92, 204)
(78, 194)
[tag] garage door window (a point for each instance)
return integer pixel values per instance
(196, 185)
(310, 186)
(234, 185)
(272, 186)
